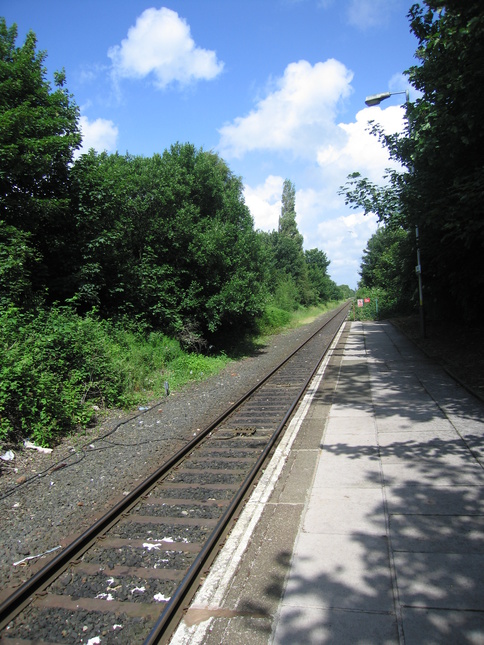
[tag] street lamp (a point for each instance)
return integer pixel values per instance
(376, 99)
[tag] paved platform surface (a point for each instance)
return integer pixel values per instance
(369, 526)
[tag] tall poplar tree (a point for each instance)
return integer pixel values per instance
(289, 251)
(287, 220)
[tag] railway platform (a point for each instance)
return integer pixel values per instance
(367, 526)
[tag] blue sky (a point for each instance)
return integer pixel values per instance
(276, 87)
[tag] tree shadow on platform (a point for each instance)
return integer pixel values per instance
(423, 576)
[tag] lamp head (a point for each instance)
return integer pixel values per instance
(376, 99)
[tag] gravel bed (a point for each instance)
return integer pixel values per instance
(46, 499)
(179, 511)
(200, 494)
(207, 478)
(159, 532)
(132, 557)
(215, 465)
(123, 588)
(61, 626)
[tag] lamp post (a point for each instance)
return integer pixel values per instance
(370, 101)
(376, 99)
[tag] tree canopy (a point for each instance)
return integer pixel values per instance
(442, 189)
(168, 238)
(165, 240)
(39, 132)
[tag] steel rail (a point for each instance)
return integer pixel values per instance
(22, 596)
(175, 602)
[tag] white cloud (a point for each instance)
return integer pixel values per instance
(160, 44)
(322, 216)
(100, 134)
(264, 202)
(361, 150)
(343, 239)
(300, 116)
(299, 112)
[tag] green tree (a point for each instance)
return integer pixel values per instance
(38, 134)
(442, 189)
(387, 265)
(287, 220)
(288, 246)
(444, 193)
(168, 239)
(322, 286)
(17, 264)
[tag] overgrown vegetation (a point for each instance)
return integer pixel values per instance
(120, 273)
(442, 189)
(373, 304)
(59, 369)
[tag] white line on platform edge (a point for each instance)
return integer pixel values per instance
(215, 587)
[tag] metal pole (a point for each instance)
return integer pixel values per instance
(418, 270)
(376, 99)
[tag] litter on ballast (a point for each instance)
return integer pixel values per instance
(8, 456)
(94, 641)
(39, 555)
(29, 444)
(150, 546)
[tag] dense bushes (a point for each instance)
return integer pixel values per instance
(53, 366)
(57, 369)
(377, 304)
(167, 238)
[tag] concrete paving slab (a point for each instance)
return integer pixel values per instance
(440, 580)
(314, 626)
(364, 441)
(339, 470)
(426, 439)
(425, 455)
(416, 473)
(443, 627)
(361, 445)
(452, 455)
(391, 389)
(319, 411)
(346, 409)
(300, 471)
(345, 510)
(342, 426)
(437, 533)
(343, 571)
(476, 445)
(437, 500)
(414, 413)
(393, 421)
(310, 434)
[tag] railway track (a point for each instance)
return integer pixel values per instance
(129, 576)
